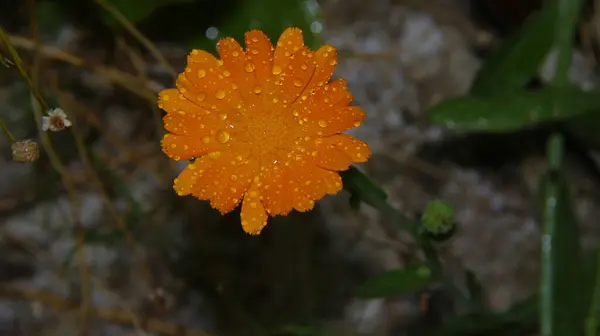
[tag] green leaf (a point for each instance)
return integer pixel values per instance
(137, 10)
(270, 16)
(518, 58)
(567, 15)
(397, 282)
(508, 112)
(562, 299)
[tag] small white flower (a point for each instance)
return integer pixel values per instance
(55, 121)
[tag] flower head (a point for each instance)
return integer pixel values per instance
(262, 126)
(55, 121)
(25, 151)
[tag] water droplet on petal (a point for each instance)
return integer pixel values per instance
(201, 96)
(223, 116)
(223, 136)
(214, 155)
(201, 73)
(249, 67)
(257, 90)
(226, 73)
(298, 83)
(236, 54)
(206, 139)
(322, 123)
(276, 70)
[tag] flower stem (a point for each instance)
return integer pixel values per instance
(7, 131)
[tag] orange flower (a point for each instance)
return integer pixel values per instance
(262, 127)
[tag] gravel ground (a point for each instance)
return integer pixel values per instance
(399, 59)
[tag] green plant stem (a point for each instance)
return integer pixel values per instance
(555, 154)
(431, 256)
(7, 131)
(19, 63)
(591, 325)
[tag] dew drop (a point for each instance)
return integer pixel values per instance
(257, 90)
(226, 73)
(276, 70)
(249, 67)
(322, 123)
(223, 116)
(234, 177)
(206, 139)
(220, 94)
(201, 73)
(236, 54)
(223, 136)
(214, 155)
(298, 83)
(201, 96)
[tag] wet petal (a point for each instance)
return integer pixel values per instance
(329, 156)
(354, 148)
(289, 42)
(234, 182)
(204, 83)
(296, 75)
(186, 181)
(181, 147)
(337, 120)
(238, 68)
(254, 216)
(326, 59)
(275, 185)
(331, 179)
(260, 51)
(307, 186)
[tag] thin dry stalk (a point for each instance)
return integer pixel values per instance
(131, 28)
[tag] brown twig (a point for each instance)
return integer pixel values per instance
(112, 315)
(145, 90)
(38, 103)
(130, 27)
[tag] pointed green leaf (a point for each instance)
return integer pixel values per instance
(518, 58)
(508, 112)
(397, 282)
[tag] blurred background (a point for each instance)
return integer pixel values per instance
(94, 225)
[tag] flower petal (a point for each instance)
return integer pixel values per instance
(186, 181)
(204, 83)
(332, 95)
(328, 156)
(216, 183)
(326, 59)
(336, 120)
(276, 186)
(260, 51)
(238, 68)
(356, 149)
(181, 147)
(254, 217)
(306, 186)
(234, 183)
(331, 179)
(290, 41)
(296, 75)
